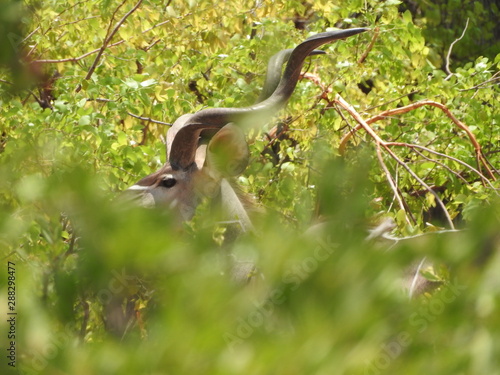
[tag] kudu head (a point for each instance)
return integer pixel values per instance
(205, 148)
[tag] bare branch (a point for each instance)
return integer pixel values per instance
(442, 165)
(362, 123)
(481, 159)
(484, 84)
(72, 6)
(431, 151)
(423, 183)
(381, 143)
(415, 278)
(30, 34)
(376, 33)
(101, 100)
(148, 119)
(74, 59)
(393, 100)
(394, 188)
(447, 68)
(77, 21)
(108, 38)
(157, 25)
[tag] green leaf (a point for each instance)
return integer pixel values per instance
(84, 120)
(131, 83)
(149, 82)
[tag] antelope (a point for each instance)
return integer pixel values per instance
(208, 147)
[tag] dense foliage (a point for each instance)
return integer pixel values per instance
(384, 125)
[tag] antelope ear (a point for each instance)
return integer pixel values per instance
(201, 155)
(228, 152)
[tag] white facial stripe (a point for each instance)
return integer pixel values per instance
(174, 204)
(139, 188)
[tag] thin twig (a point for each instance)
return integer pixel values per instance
(431, 151)
(108, 38)
(392, 100)
(393, 186)
(375, 35)
(442, 165)
(80, 20)
(157, 25)
(101, 100)
(415, 278)
(481, 159)
(447, 67)
(380, 142)
(152, 45)
(148, 119)
(420, 235)
(75, 59)
(71, 7)
(423, 183)
(30, 35)
(482, 85)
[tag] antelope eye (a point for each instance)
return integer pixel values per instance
(168, 182)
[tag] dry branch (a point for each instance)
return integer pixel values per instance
(148, 119)
(481, 159)
(447, 67)
(392, 184)
(110, 35)
(485, 84)
(386, 146)
(74, 59)
(382, 144)
(375, 35)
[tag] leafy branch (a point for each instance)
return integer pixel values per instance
(481, 159)
(386, 146)
(109, 36)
